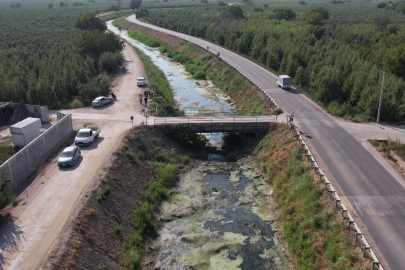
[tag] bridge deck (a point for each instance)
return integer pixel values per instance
(248, 124)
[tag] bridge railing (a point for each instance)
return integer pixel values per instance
(189, 111)
(211, 120)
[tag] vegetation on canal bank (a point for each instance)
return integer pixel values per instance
(315, 234)
(202, 64)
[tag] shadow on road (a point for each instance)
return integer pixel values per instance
(77, 165)
(104, 107)
(93, 145)
(400, 128)
(10, 236)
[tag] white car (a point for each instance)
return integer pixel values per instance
(101, 101)
(141, 81)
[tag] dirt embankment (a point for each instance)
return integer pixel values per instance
(105, 226)
(246, 95)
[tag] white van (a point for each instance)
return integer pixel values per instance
(284, 81)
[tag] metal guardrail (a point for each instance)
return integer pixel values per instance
(210, 120)
(188, 111)
(376, 264)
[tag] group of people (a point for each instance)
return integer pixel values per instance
(148, 93)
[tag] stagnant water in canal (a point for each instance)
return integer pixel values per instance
(221, 214)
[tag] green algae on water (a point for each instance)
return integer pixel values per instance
(235, 238)
(221, 261)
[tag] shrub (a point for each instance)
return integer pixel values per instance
(102, 195)
(117, 229)
(199, 75)
(76, 103)
(184, 159)
(335, 109)
(168, 175)
(147, 40)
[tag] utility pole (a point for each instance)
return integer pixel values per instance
(379, 105)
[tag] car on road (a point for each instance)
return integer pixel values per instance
(69, 156)
(141, 81)
(86, 136)
(101, 101)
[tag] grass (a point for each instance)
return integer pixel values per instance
(147, 40)
(314, 233)
(143, 221)
(7, 150)
(6, 195)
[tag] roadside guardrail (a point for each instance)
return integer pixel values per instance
(359, 236)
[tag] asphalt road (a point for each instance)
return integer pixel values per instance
(373, 194)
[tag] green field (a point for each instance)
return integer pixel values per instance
(334, 52)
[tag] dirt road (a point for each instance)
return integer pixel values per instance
(55, 194)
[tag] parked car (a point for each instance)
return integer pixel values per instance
(284, 81)
(86, 136)
(141, 81)
(69, 156)
(101, 101)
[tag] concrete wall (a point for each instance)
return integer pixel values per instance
(28, 159)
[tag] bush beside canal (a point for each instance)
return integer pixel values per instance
(315, 234)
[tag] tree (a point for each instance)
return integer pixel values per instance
(99, 86)
(110, 61)
(316, 15)
(284, 14)
(61, 4)
(204, 1)
(266, 5)
(143, 12)
(222, 4)
(381, 5)
(95, 43)
(135, 4)
(302, 2)
(234, 12)
(382, 23)
(90, 22)
(50, 6)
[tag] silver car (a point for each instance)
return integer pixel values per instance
(141, 81)
(101, 101)
(69, 156)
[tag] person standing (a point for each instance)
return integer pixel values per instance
(143, 109)
(140, 98)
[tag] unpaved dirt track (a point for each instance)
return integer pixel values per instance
(50, 201)
(372, 191)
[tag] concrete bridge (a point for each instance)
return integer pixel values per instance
(245, 124)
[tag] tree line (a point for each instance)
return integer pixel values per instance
(53, 57)
(335, 54)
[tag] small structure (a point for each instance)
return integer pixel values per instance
(25, 131)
